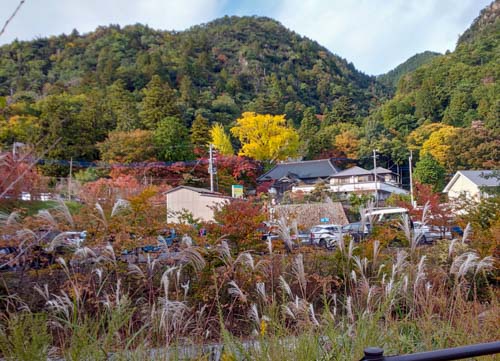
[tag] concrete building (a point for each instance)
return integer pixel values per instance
(472, 184)
(197, 201)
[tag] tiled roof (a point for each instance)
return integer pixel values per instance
(321, 168)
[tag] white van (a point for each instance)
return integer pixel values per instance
(382, 214)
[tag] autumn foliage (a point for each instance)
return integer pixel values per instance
(239, 221)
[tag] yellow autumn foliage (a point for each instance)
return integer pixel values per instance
(439, 145)
(220, 140)
(348, 143)
(266, 137)
(417, 138)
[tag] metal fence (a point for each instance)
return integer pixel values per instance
(456, 353)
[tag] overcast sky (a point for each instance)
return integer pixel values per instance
(376, 35)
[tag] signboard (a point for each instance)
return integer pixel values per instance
(237, 191)
(325, 220)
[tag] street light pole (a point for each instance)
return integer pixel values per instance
(411, 179)
(375, 173)
(211, 167)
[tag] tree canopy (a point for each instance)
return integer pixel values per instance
(266, 137)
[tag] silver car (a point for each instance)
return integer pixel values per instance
(325, 235)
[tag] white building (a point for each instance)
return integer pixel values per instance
(471, 184)
(197, 201)
(358, 180)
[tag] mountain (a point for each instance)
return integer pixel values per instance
(456, 88)
(486, 20)
(447, 108)
(241, 63)
(391, 78)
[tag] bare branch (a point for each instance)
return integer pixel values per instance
(11, 17)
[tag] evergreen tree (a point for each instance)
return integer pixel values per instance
(426, 102)
(171, 139)
(429, 171)
(343, 110)
(309, 127)
(200, 133)
(123, 107)
(159, 102)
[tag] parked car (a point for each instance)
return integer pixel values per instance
(456, 231)
(325, 235)
(385, 214)
(358, 230)
(430, 233)
(302, 237)
(268, 230)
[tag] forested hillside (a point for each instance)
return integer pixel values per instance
(448, 110)
(391, 78)
(134, 94)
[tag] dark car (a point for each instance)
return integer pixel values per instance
(456, 231)
(358, 230)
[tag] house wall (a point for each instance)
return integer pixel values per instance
(357, 188)
(194, 202)
(464, 186)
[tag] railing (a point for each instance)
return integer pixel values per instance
(456, 353)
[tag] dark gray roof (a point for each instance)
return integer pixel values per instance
(352, 171)
(322, 168)
(483, 178)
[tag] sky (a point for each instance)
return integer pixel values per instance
(375, 35)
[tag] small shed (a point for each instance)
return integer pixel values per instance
(196, 201)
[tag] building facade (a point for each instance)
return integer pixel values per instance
(472, 184)
(381, 183)
(197, 202)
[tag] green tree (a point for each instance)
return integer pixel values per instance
(171, 139)
(426, 102)
(200, 133)
(128, 147)
(123, 107)
(343, 110)
(309, 127)
(158, 103)
(66, 132)
(429, 171)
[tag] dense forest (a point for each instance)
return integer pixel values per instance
(136, 94)
(391, 78)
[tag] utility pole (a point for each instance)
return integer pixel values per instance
(375, 173)
(69, 178)
(211, 167)
(411, 179)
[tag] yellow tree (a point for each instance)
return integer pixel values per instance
(418, 137)
(266, 137)
(348, 143)
(220, 140)
(439, 144)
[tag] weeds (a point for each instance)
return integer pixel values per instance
(270, 306)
